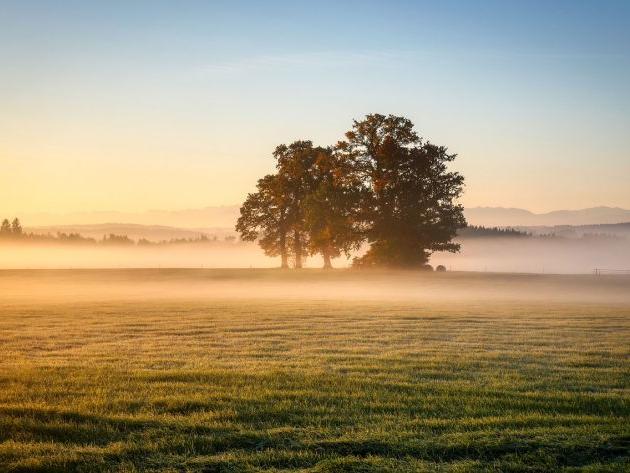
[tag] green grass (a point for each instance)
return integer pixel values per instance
(227, 385)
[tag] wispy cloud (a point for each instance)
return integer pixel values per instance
(315, 60)
(353, 59)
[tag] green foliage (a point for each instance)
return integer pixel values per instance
(383, 184)
(265, 217)
(306, 208)
(294, 164)
(332, 208)
(411, 211)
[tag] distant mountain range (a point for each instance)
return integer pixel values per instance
(507, 217)
(219, 216)
(225, 217)
(579, 231)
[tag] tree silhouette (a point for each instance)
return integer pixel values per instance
(306, 208)
(5, 228)
(264, 217)
(473, 231)
(16, 227)
(382, 184)
(332, 207)
(410, 211)
(294, 164)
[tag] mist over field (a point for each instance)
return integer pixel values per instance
(538, 255)
(211, 286)
(525, 255)
(64, 256)
(312, 371)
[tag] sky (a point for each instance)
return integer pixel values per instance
(140, 105)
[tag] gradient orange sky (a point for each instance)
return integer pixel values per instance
(155, 106)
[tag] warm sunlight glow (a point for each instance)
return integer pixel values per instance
(372, 236)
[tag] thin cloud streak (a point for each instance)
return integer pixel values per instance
(348, 59)
(316, 60)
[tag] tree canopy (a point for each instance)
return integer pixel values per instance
(411, 209)
(383, 185)
(265, 217)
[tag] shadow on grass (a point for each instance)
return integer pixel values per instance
(150, 445)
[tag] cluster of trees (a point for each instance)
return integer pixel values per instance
(11, 229)
(473, 231)
(63, 237)
(383, 185)
(113, 239)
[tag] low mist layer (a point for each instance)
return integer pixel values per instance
(67, 256)
(61, 286)
(523, 255)
(539, 255)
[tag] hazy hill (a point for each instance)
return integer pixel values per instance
(162, 232)
(225, 217)
(500, 216)
(578, 231)
(207, 217)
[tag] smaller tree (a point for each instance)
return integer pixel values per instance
(412, 210)
(5, 228)
(331, 208)
(264, 217)
(294, 163)
(16, 227)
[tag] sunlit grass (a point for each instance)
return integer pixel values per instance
(224, 385)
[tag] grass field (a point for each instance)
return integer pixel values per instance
(228, 371)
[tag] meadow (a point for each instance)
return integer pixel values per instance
(263, 370)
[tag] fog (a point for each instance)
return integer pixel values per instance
(67, 256)
(478, 273)
(539, 255)
(521, 255)
(215, 285)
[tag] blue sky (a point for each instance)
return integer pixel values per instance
(136, 105)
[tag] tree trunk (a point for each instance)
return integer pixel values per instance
(285, 260)
(297, 249)
(327, 261)
(283, 251)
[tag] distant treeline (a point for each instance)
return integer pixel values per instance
(475, 231)
(11, 229)
(13, 232)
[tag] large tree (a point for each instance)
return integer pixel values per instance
(384, 184)
(332, 207)
(264, 217)
(294, 163)
(411, 209)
